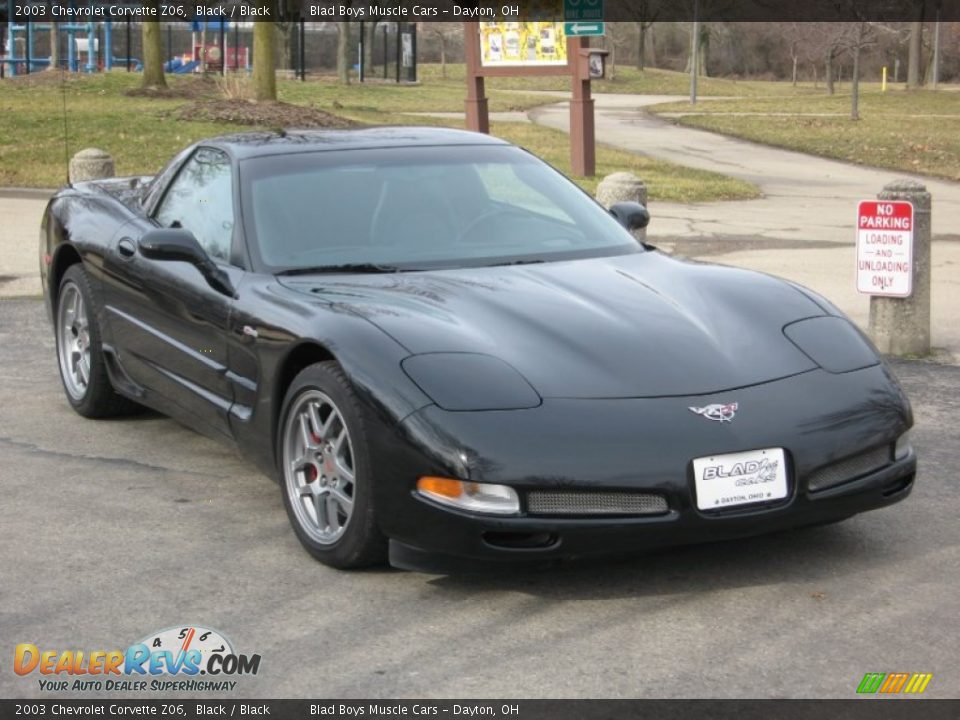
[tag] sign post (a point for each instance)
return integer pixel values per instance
(536, 48)
(893, 267)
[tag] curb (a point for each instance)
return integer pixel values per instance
(26, 193)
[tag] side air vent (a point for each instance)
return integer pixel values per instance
(850, 468)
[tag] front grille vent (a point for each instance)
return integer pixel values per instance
(849, 469)
(543, 502)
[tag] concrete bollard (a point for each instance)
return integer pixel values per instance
(901, 326)
(622, 186)
(91, 164)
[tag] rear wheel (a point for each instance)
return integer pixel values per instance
(80, 353)
(326, 472)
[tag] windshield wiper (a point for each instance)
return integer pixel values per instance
(516, 262)
(369, 268)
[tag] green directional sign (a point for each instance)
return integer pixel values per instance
(588, 10)
(581, 29)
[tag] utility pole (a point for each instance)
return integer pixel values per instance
(695, 52)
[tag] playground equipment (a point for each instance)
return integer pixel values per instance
(83, 47)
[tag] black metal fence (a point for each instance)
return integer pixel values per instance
(307, 48)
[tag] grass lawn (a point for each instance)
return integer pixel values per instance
(915, 131)
(140, 134)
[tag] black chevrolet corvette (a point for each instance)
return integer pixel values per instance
(443, 349)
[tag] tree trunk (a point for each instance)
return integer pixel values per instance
(828, 73)
(264, 61)
(152, 53)
(855, 83)
(641, 45)
(343, 53)
(913, 60)
(370, 29)
(54, 46)
(794, 70)
(443, 56)
(613, 59)
(704, 67)
(285, 49)
(652, 46)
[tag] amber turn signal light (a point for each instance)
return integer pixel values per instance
(471, 496)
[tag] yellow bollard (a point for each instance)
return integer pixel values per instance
(883, 86)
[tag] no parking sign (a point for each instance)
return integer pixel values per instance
(885, 248)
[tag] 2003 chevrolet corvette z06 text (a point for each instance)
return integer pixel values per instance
(442, 348)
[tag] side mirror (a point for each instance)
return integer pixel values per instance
(632, 215)
(176, 244)
(179, 244)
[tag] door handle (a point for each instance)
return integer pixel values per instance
(126, 248)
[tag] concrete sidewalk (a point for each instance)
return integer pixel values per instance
(805, 197)
(20, 215)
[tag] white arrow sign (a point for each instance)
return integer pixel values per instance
(574, 29)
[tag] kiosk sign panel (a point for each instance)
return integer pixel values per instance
(522, 44)
(885, 248)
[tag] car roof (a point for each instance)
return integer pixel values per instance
(283, 142)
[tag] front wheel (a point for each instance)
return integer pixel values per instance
(79, 352)
(326, 472)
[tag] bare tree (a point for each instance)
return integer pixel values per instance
(826, 41)
(443, 32)
(914, 55)
(618, 36)
(646, 13)
(860, 36)
(799, 41)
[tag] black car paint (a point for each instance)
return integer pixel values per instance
(616, 347)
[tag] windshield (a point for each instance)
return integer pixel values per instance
(419, 208)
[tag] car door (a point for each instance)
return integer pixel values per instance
(169, 326)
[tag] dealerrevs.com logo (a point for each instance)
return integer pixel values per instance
(185, 658)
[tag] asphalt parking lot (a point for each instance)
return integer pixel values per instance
(111, 530)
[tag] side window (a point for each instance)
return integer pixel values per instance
(200, 199)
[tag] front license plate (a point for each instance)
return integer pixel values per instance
(742, 478)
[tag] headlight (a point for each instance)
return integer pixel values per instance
(470, 381)
(472, 496)
(903, 446)
(833, 343)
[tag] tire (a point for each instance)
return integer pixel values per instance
(83, 370)
(326, 470)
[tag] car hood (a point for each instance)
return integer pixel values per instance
(639, 325)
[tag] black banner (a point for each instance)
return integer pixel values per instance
(480, 10)
(867, 709)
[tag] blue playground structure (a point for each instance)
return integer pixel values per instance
(83, 47)
(178, 67)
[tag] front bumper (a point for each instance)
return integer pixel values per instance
(640, 445)
(449, 537)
